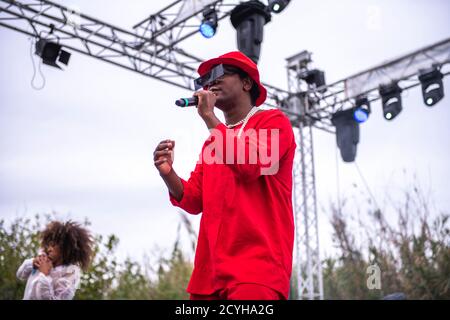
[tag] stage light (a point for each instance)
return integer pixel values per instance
(248, 19)
(277, 6)
(316, 77)
(391, 99)
(347, 134)
(432, 86)
(361, 111)
(50, 52)
(208, 26)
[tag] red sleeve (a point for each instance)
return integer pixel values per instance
(259, 149)
(191, 201)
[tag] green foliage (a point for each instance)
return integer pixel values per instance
(174, 273)
(105, 279)
(132, 284)
(17, 243)
(97, 282)
(173, 276)
(413, 256)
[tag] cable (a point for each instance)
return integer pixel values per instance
(338, 191)
(366, 185)
(32, 57)
(35, 87)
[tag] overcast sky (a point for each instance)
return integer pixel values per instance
(83, 145)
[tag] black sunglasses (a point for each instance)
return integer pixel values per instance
(231, 70)
(214, 74)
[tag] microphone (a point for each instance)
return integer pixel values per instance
(187, 102)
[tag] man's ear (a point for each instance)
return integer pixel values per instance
(247, 84)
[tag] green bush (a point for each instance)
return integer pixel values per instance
(18, 242)
(413, 255)
(106, 278)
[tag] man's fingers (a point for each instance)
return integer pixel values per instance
(164, 145)
(201, 97)
(165, 141)
(160, 161)
(158, 154)
(164, 153)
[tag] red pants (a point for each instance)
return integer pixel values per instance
(243, 291)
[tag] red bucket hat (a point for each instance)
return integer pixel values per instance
(241, 61)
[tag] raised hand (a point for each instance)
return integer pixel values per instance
(163, 156)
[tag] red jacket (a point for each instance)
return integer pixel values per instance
(247, 228)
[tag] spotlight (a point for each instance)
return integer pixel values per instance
(347, 134)
(248, 19)
(432, 86)
(277, 6)
(315, 77)
(361, 111)
(50, 52)
(391, 99)
(209, 24)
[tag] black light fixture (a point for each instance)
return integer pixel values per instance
(248, 19)
(50, 52)
(391, 99)
(208, 26)
(315, 76)
(362, 110)
(277, 6)
(347, 134)
(432, 86)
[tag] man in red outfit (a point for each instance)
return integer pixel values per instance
(242, 184)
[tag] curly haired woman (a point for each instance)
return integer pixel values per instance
(55, 273)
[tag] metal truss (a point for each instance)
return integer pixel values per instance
(143, 54)
(309, 268)
(404, 70)
(178, 21)
(152, 50)
(315, 107)
(95, 38)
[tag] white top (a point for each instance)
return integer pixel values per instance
(60, 284)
